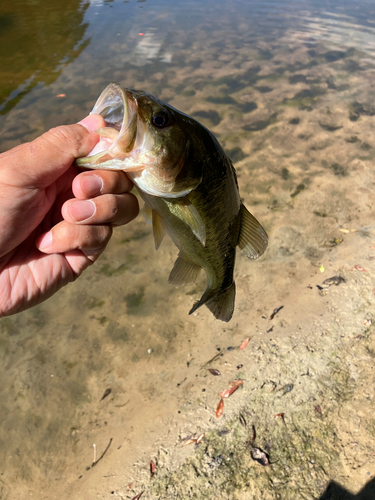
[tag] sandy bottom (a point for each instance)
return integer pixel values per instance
(300, 128)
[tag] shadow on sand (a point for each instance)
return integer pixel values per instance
(336, 492)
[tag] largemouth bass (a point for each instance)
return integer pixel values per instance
(189, 187)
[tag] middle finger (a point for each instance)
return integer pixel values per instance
(90, 184)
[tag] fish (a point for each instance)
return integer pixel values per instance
(189, 187)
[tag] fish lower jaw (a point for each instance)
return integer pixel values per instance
(148, 184)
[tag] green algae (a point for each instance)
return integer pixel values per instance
(110, 271)
(339, 170)
(260, 124)
(352, 139)
(93, 303)
(263, 89)
(294, 121)
(330, 127)
(211, 115)
(134, 301)
(298, 189)
(117, 332)
(305, 98)
(235, 154)
(136, 236)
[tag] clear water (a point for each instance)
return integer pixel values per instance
(288, 89)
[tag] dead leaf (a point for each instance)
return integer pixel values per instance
(244, 344)
(189, 441)
(199, 439)
(359, 268)
(335, 280)
(233, 386)
(138, 496)
(275, 311)
(242, 420)
(220, 408)
(235, 383)
(152, 468)
(107, 392)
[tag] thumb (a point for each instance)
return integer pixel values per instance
(39, 163)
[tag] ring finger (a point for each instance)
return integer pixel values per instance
(112, 209)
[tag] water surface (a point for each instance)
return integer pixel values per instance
(288, 89)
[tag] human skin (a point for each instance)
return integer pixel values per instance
(55, 221)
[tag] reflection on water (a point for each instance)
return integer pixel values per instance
(287, 87)
(37, 40)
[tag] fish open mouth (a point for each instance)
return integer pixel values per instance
(131, 141)
(118, 137)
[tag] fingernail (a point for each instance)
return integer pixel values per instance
(91, 184)
(92, 122)
(46, 241)
(82, 210)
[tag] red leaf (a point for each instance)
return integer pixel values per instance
(138, 496)
(189, 441)
(152, 468)
(359, 268)
(233, 386)
(199, 439)
(244, 343)
(220, 408)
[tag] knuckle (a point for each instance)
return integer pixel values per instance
(103, 236)
(65, 138)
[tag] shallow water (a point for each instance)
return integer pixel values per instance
(288, 89)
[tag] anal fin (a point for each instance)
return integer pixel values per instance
(221, 304)
(253, 238)
(183, 272)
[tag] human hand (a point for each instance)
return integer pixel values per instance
(55, 221)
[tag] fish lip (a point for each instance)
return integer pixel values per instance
(112, 94)
(119, 111)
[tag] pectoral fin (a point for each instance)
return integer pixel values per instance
(253, 238)
(147, 213)
(183, 272)
(186, 212)
(158, 229)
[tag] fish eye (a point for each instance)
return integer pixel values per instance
(160, 119)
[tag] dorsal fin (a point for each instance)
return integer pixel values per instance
(253, 238)
(184, 272)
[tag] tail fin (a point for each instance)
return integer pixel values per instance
(221, 303)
